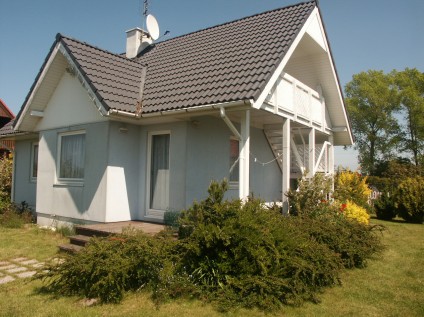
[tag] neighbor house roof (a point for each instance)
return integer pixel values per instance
(224, 63)
(5, 111)
(7, 129)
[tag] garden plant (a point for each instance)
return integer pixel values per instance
(231, 253)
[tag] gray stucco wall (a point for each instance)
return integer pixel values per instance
(24, 187)
(124, 158)
(208, 158)
(84, 201)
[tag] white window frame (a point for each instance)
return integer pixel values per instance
(31, 170)
(154, 213)
(62, 180)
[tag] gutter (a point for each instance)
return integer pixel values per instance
(217, 106)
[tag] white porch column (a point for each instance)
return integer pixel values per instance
(311, 156)
(244, 148)
(286, 164)
(331, 160)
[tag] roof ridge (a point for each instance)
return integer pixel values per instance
(240, 19)
(60, 36)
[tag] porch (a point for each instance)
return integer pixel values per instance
(83, 233)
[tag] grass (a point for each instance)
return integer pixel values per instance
(391, 285)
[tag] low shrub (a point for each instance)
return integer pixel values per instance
(354, 242)
(107, 267)
(247, 255)
(229, 252)
(409, 199)
(310, 192)
(15, 216)
(354, 212)
(170, 218)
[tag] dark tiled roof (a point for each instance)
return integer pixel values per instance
(228, 62)
(7, 129)
(114, 78)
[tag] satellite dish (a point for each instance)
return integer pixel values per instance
(152, 27)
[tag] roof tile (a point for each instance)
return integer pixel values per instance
(224, 63)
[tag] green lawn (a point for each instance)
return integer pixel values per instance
(391, 285)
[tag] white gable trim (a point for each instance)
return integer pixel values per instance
(36, 88)
(72, 68)
(258, 103)
(315, 29)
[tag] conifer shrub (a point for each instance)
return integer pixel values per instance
(244, 254)
(229, 252)
(409, 199)
(108, 267)
(384, 207)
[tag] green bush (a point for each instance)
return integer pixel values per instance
(385, 208)
(410, 199)
(107, 267)
(170, 218)
(309, 194)
(15, 216)
(232, 253)
(247, 255)
(6, 167)
(352, 186)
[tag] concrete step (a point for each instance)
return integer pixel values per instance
(89, 232)
(79, 240)
(70, 248)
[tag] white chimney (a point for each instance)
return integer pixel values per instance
(137, 40)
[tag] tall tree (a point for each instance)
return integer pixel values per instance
(410, 85)
(371, 101)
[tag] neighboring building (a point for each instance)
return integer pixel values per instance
(107, 137)
(6, 116)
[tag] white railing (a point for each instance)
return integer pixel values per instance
(291, 96)
(322, 159)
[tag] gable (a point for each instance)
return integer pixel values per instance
(309, 61)
(55, 65)
(68, 105)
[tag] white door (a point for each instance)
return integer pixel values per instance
(158, 177)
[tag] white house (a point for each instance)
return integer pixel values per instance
(105, 137)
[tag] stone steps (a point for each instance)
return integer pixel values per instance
(83, 233)
(81, 238)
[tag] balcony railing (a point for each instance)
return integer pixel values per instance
(293, 97)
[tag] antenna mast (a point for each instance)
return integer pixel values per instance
(145, 10)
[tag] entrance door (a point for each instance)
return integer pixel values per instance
(158, 177)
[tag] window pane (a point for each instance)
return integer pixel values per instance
(72, 154)
(159, 172)
(34, 161)
(234, 160)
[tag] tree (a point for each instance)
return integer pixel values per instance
(371, 103)
(410, 85)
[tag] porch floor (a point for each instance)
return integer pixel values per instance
(117, 227)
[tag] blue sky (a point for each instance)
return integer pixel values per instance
(363, 34)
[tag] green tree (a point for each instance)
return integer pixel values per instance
(410, 85)
(371, 102)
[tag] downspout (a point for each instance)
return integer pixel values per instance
(229, 123)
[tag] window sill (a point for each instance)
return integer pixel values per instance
(68, 184)
(233, 185)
